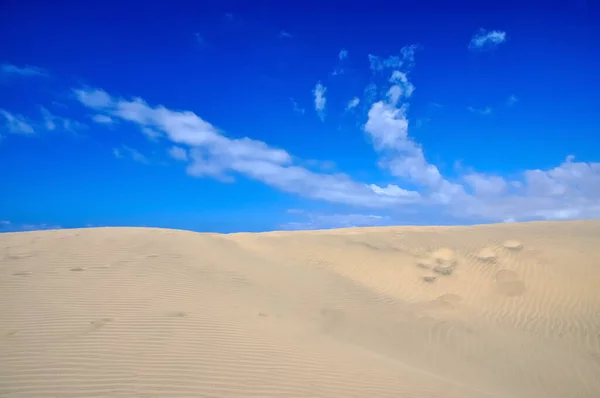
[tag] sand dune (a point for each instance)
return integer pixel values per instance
(508, 310)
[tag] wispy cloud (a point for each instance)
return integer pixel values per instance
(481, 111)
(320, 100)
(296, 107)
(212, 154)
(178, 153)
(406, 59)
(102, 119)
(512, 100)
(19, 124)
(487, 40)
(284, 34)
(53, 122)
(16, 124)
(569, 190)
(25, 71)
(353, 103)
(127, 152)
(339, 69)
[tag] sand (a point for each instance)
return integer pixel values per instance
(509, 310)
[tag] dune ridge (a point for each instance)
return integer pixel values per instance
(506, 310)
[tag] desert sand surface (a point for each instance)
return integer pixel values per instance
(507, 310)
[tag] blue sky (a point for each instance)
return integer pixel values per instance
(233, 117)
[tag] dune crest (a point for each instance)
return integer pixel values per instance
(507, 310)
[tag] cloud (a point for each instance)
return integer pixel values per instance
(406, 59)
(214, 155)
(178, 153)
(102, 119)
(320, 100)
(16, 124)
(339, 69)
(512, 100)
(484, 40)
(25, 71)
(127, 152)
(53, 122)
(570, 190)
(353, 103)
(296, 107)
(482, 111)
(19, 124)
(414, 184)
(283, 34)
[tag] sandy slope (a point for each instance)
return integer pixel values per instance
(376, 312)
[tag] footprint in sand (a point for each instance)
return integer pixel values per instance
(176, 314)
(443, 255)
(514, 245)
(487, 255)
(442, 261)
(509, 284)
(102, 266)
(10, 334)
(445, 302)
(77, 269)
(429, 278)
(101, 322)
(22, 273)
(426, 263)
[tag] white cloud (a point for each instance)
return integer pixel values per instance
(151, 133)
(53, 122)
(513, 99)
(214, 155)
(283, 34)
(93, 98)
(296, 107)
(487, 40)
(406, 59)
(320, 100)
(343, 54)
(484, 185)
(178, 153)
(378, 64)
(102, 119)
(353, 103)
(570, 190)
(128, 152)
(17, 124)
(25, 71)
(482, 111)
